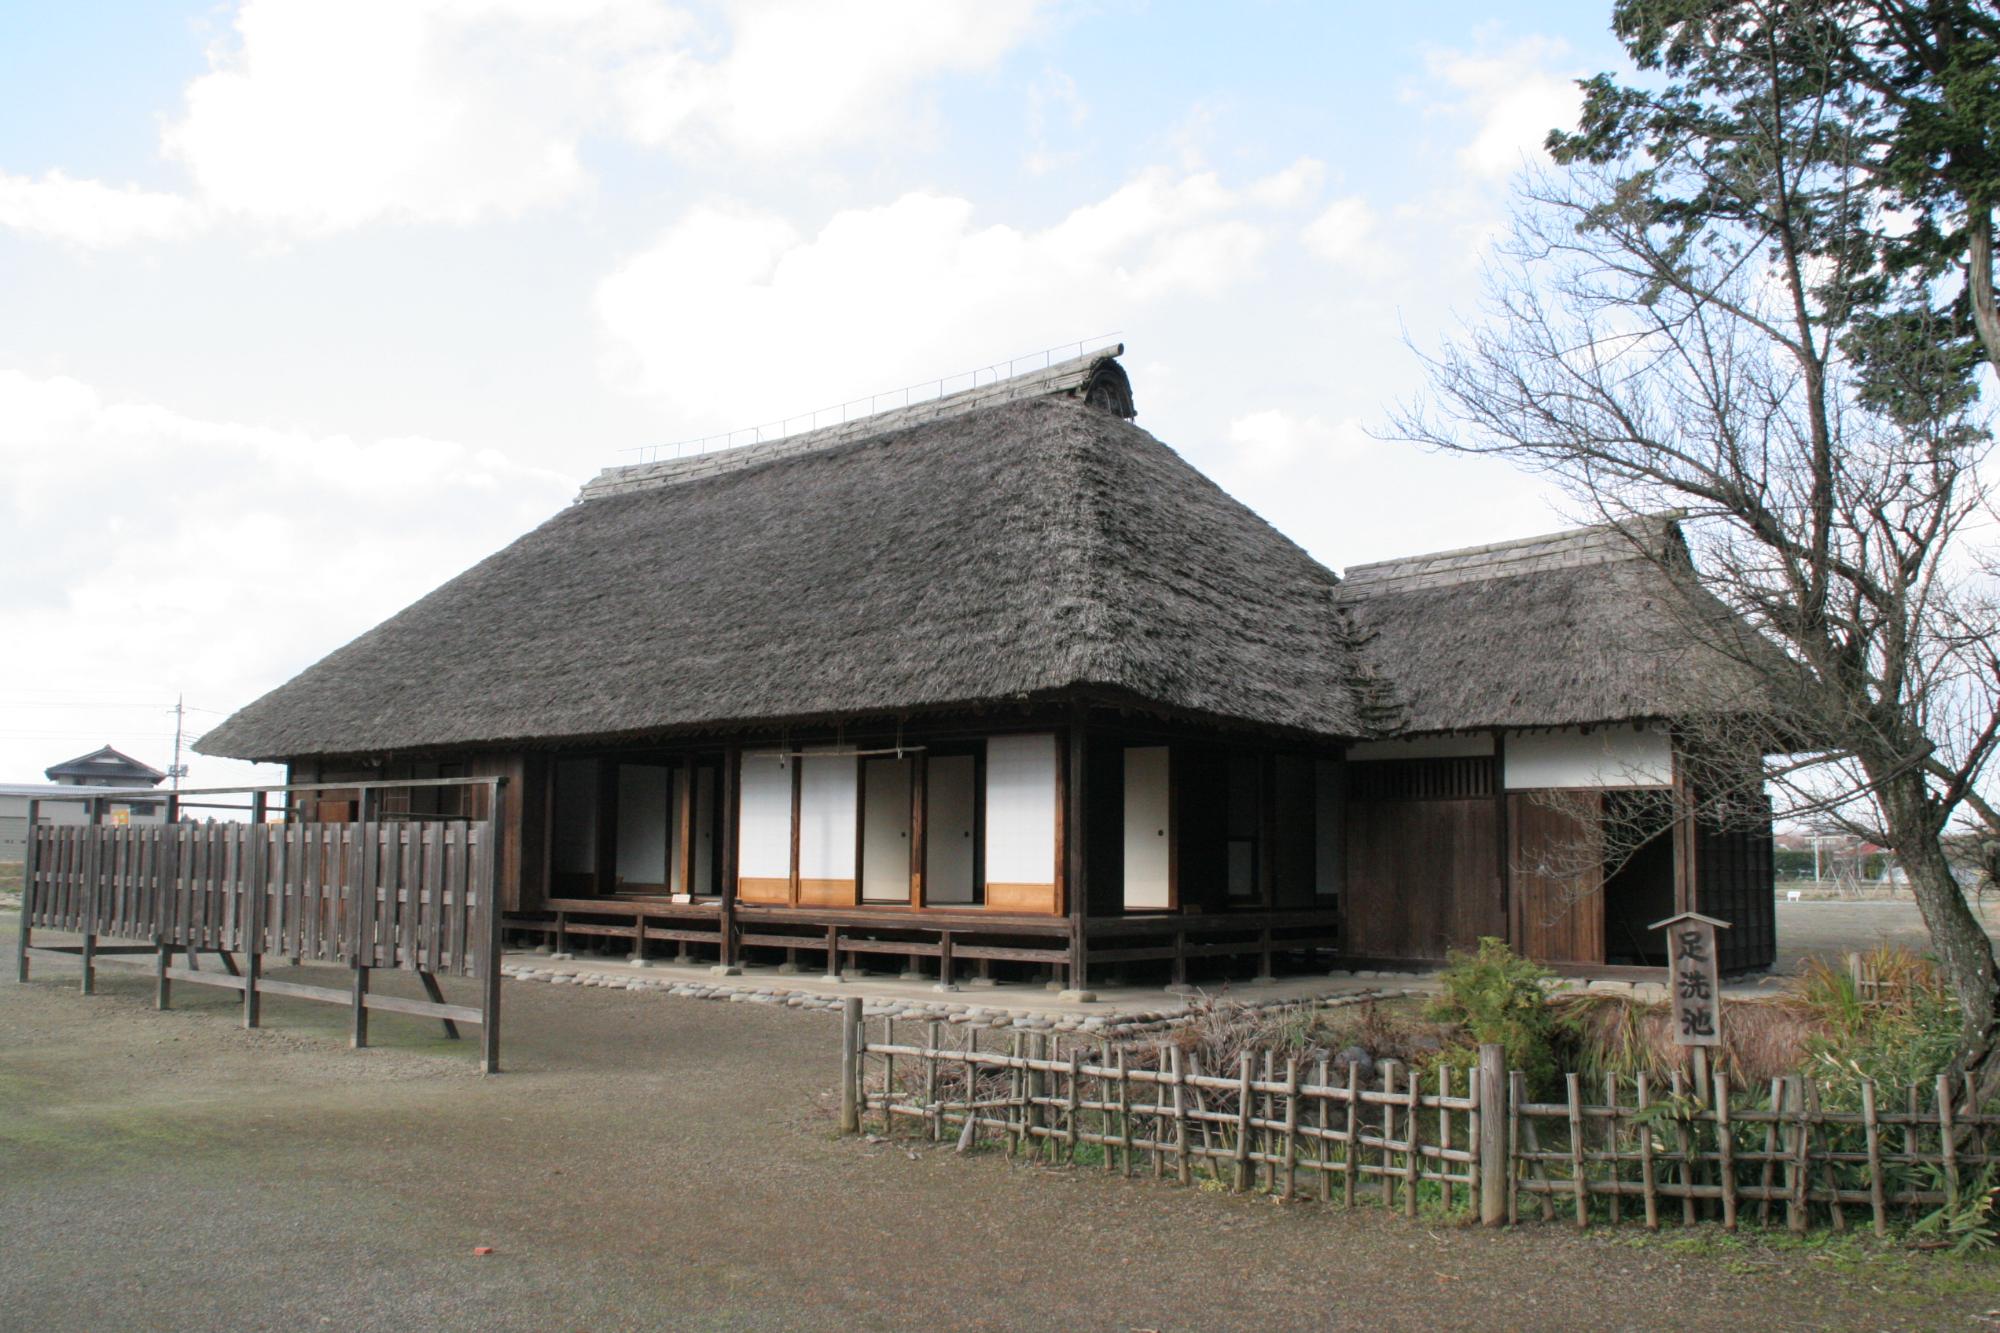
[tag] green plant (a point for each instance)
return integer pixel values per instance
(1497, 996)
(1968, 1225)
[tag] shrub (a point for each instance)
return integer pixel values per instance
(1497, 996)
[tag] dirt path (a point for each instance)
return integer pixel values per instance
(653, 1162)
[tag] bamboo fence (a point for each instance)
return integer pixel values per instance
(1798, 1153)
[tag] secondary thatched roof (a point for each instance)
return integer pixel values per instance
(1017, 551)
(1603, 624)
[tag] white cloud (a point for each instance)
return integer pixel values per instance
(1515, 95)
(882, 296)
(167, 553)
(1347, 234)
(801, 74)
(1274, 440)
(93, 215)
(315, 118)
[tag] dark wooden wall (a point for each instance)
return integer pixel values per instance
(1557, 885)
(1734, 880)
(1423, 868)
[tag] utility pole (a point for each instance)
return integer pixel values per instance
(177, 770)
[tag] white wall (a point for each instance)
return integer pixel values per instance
(1606, 757)
(764, 822)
(642, 823)
(1147, 864)
(829, 805)
(1021, 810)
(885, 830)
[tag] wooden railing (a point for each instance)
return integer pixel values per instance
(403, 895)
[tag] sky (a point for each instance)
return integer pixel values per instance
(308, 305)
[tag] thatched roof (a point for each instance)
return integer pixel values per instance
(1594, 625)
(1028, 550)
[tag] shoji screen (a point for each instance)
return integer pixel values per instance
(764, 842)
(1021, 823)
(1148, 864)
(829, 824)
(885, 830)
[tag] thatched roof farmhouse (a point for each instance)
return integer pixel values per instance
(1001, 679)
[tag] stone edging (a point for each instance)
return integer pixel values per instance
(986, 1015)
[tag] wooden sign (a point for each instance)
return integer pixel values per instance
(1694, 979)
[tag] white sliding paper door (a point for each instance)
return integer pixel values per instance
(1021, 823)
(764, 829)
(885, 830)
(1148, 870)
(829, 806)
(950, 847)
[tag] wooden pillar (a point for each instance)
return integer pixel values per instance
(21, 937)
(169, 877)
(730, 796)
(944, 982)
(1267, 855)
(489, 915)
(93, 866)
(684, 824)
(1071, 835)
(919, 788)
(358, 1030)
(251, 920)
(1491, 1147)
(833, 953)
(1687, 896)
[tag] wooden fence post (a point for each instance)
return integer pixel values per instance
(491, 943)
(850, 1066)
(21, 942)
(1492, 1146)
(93, 864)
(251, 919)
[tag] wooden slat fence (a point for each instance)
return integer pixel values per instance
(1799, 1154)
(412, 896)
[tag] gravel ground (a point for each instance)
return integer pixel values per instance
(651, 1162)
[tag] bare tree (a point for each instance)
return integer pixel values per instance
(1668, 328)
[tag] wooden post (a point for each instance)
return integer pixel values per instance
(833, 953)
(93, 865)
(1648, 1179)
(1725, 1147)
(1243, 1106)
(1492, 1135)
(358, 1034)
(489, 917)
(944, 981)
(850, 1067)
(1795, 1213)
(1353, 1134)
(1076, 887)
(21, 940)
(1579, 1178)
(252, 917)
(732, 770)
(1877, 1200)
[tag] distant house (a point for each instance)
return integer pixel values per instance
(1003, 679)
(62, 803)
